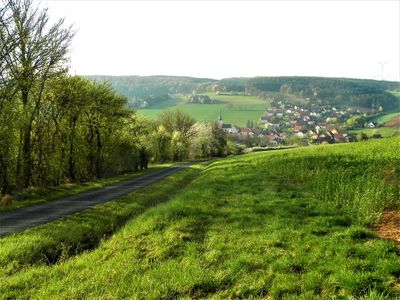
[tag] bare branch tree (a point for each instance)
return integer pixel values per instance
(7, 41)
(32, 52)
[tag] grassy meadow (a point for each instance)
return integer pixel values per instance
(288, 224)
(235, 109)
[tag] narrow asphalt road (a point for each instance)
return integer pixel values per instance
(20, 219)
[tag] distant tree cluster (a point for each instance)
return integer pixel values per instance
(200, 99)
(147, 101)
(178, 137)
(140, 87)
(250, 124)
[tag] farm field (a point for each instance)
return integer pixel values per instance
(242, 108)
(391, 124)
(386, 117)
(384, 131)
(396, 93)
(290, 224)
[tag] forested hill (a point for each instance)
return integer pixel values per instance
(335, 91)
(142, 86)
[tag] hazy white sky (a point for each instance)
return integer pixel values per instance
(218, 39)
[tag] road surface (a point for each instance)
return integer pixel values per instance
(23, 218)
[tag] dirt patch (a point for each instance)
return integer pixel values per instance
(393, 122)
(389, 227)
(5, 199)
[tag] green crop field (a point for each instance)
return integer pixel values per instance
(384, 131)
(386, 117)
(396, 93)
(288, 224)
(242, 108)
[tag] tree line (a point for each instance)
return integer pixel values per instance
(143, 91)
(330, 91)
(57, 128)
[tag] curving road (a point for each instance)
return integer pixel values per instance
(23, 218)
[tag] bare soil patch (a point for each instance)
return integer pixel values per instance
(389, 227)
(393, 122)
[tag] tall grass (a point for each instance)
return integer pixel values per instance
(363, 178)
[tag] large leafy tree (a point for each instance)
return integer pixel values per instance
(180, 128)
(177, 120)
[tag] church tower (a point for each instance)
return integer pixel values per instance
(220, 122)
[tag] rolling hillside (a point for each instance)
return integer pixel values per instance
(289, 224)
(247, 96)
(334, 91)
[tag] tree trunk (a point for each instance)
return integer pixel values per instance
(4, 184)
(99, 151)
(27, 157)
(91, 155)
(71, 162)
(71, 159)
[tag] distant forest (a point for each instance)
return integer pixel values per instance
(144, 91)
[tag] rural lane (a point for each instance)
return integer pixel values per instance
(23, 218)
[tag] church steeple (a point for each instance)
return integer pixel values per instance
(220, 122)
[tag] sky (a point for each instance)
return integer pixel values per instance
(220, 39)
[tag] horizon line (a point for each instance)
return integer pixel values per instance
(233, 77)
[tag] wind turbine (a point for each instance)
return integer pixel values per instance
(382, 66)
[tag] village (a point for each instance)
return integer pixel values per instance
(288, 124)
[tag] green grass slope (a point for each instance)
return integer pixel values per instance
(289, 224)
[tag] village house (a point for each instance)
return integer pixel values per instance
(246, 132)
(229, 129)
(271, 140)
(339, 137)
